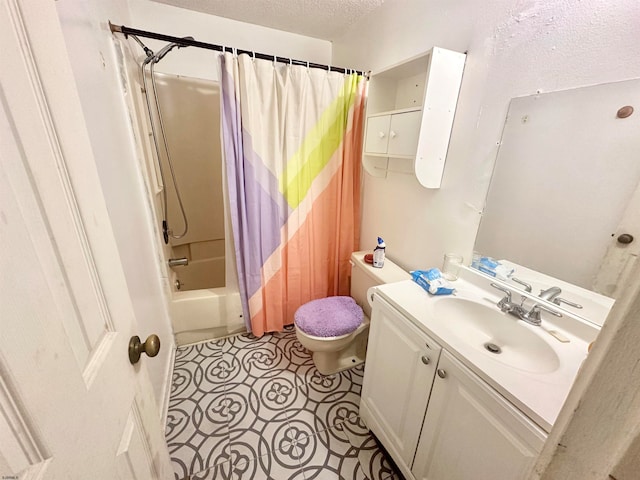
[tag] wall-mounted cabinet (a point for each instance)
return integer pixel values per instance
(410, 111)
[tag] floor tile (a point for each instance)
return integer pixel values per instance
(281, 464)
(310, 409)
(198, 351)
(243, 341)
(373, 460)
(349, 384)
(222, 471)
(294, 351)
(329, 455)
(395, 476)
(198, 436)
(209, 374)
(257, 408)
(255, 429)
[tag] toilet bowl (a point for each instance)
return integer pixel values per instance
(334, 331)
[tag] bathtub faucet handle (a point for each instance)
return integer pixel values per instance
(178, 262)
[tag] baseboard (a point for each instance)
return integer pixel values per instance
(168, 380)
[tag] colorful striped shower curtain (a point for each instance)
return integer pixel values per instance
(292, 139)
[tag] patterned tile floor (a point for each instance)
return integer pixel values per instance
(256, 408)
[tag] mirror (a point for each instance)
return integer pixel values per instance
(565, 186)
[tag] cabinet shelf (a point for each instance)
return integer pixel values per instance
(410, 113)
(396, 111)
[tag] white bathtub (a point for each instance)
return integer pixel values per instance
(199, 315)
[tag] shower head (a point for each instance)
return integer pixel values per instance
(161, 54)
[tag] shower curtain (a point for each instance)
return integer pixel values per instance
(292, 139)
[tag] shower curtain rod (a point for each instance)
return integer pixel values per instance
(187, 42)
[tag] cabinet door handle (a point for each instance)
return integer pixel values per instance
(442, 373)
(426, 360)
(392, 134)
(381, 134)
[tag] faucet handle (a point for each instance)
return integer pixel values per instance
(504, 304)
(548, 310)
(527, 287)
(559, 300)
(533, 315)
(550, 293)
(503, 289)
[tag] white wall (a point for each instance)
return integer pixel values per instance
(514, 49)
(91, 52)
(199, 63)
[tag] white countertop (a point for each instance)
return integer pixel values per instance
(540, 396)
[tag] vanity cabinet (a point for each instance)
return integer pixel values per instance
(400, 367)
(436, 418)
(410, 112)
(471, 431)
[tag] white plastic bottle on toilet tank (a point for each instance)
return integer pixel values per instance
(378, 254)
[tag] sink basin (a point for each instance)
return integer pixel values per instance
(498, 335)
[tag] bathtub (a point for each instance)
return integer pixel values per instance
(199, 315)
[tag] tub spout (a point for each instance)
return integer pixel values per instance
(178, 262)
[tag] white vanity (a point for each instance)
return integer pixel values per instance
(455, 389)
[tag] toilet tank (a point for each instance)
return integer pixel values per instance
(364, 276)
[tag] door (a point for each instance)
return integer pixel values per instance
(401, 364)
(404, 132)
(71, 404)
(470, 431)
(377, 134)
(622, 252)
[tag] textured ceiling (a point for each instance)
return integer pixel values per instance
(325, 19)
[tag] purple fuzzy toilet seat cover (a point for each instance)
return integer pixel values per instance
(329, 317)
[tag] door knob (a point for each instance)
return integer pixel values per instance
(136, 348)
(426, 360)
(625, 238)
(442, 373)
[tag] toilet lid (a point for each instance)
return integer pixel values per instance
(329, 317)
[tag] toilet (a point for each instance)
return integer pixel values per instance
(335, 329)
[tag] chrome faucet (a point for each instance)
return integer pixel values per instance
(553, 295)
(550, 293)
(505, 304)
(533, 315)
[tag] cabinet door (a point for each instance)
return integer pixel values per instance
(398, 377)
(377, 134)
(404, 132)
(470, 431)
